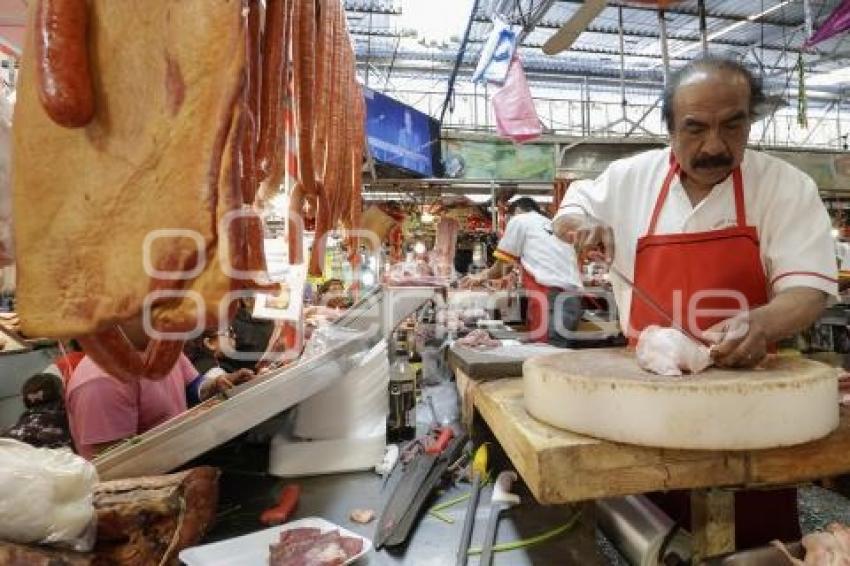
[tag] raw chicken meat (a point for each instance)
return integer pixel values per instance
(479, 339)
(666, 351)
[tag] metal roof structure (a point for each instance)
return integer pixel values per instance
(767, 35)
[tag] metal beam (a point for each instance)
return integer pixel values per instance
(378, 7)
(575, 48)
(607, 30)
(535, 45)
(535, 17)
(814, 128)
(662, 39)
(690, 11)
(412, 68)
(637, 124)
(370, 8)
(694, 38)
(392, 62)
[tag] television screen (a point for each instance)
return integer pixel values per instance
(400, 135)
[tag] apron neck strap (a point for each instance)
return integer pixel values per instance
(675, 169)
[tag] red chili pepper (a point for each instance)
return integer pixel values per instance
(286, 503)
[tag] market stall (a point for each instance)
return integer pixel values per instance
(320, 282)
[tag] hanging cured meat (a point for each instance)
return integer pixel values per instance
(328, 128)
(142, 135)
(138, 209)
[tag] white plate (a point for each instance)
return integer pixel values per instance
(253, 549)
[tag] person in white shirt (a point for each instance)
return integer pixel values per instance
(550, 273)
(734, 244)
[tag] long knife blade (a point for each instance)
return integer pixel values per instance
(659, 310)
(490, 534)
(469, 520)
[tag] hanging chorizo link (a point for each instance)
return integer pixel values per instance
(271, 86)
(61, 50)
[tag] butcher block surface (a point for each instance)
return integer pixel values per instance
(564, 467)
(604, 394)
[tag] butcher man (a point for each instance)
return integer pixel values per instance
(550, 272)
(731, 242)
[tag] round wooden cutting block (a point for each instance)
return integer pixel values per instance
(604, 394)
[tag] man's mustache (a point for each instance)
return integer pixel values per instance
(711, 161)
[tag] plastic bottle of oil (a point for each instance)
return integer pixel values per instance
(401, 422)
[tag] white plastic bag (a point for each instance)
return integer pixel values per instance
(666, 351)
(46, 496)
(513, 107)
(496, 55)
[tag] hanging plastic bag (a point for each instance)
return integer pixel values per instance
(46, 496)
(516, 118)
(496, 55)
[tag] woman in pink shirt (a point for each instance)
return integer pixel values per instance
(103, 410)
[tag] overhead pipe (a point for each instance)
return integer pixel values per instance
(533, 19)
(665, 52)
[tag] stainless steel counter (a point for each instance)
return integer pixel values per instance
(433, 542)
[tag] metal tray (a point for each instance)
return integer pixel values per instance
(214, 422)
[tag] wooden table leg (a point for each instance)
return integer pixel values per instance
(466, 390)
(712, 522)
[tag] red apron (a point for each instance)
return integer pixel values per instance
(537, 310)
(682, 273)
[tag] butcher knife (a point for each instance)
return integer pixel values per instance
(659, 310)
(478, 469)
(501, 499)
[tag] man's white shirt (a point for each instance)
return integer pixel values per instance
(782, 203)
(529, 239)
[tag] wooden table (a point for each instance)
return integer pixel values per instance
(562, 467)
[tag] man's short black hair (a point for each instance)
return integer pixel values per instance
(709, 62)
(524, 204)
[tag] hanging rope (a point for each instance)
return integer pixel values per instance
(451, 88)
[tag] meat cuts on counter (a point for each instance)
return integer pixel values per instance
(311, 547)
(140, 521)
(150, 520)
(479, 339)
